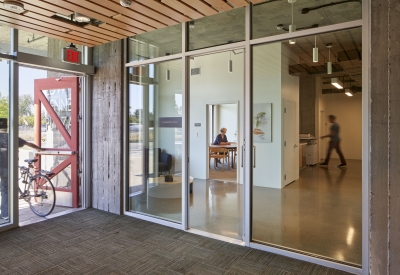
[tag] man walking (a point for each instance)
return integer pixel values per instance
(334, 143)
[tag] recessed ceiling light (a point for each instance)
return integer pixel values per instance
(81, 18)
(14, 6)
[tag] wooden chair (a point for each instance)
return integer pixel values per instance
(218, 153)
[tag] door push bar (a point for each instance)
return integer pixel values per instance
(54, 152)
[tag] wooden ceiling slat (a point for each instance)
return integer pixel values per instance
(117, 30)
(220, 5)
(109, 13)
(257, 1)
(48, 34)
(50, 7)
(102, 30)
(43, 26)
(238, 3)
(129, 13)
(185, 9)
(201, 7)
(30, 20)
(67, 25)
(160, 7)
(36, 9)
(87, 36)
(95, 15)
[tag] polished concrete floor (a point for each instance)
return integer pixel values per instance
(318, 214)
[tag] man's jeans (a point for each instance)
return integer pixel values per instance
(4, 192)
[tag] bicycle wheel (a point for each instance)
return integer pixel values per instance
(42, 196)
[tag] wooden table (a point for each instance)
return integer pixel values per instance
(231, 148)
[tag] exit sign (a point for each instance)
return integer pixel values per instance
(71, 55)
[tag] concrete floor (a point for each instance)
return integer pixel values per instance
(319, 214)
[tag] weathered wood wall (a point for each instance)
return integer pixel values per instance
(385, 133)
(107, 128)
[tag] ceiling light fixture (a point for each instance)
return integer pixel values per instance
(337, 83)
(125, 3)
(348, 92)
(191, 24)
(329, 64)
(15, 6)
(315, 51)
(292, 27)
(230, 66)
(81, 18)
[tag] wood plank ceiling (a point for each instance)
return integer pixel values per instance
(111, 20)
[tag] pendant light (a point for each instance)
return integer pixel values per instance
(292, 27)
(230, 67)
(167, 72)
(315, 51)
(329, 65)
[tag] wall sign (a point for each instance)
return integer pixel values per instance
(71, 55)
(170, 122)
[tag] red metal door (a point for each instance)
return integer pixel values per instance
(58, 118)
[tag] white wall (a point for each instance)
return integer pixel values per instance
(215, 85)
(348, 114)
(165, 107)
(271, 84)
(228, 119)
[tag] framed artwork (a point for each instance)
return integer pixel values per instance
(262, 121)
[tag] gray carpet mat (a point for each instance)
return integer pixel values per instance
(97, 242)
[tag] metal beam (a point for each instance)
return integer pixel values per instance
(52, 64)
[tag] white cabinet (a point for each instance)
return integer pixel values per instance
(312, 154)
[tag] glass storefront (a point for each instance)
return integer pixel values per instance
(161, 42)
(300, 199)
(220, 29)
(155, 140)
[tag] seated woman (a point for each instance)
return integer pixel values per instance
(221, 139)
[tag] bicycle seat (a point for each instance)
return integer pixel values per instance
(47, 173)
(31, 160)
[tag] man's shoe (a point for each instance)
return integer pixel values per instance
(342, 166)
(323, 164)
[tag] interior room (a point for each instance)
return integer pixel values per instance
(298, 203)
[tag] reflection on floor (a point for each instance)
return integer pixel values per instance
(216, 207)
(226, 175)
(320, 213)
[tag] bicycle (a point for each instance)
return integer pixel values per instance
(38, 192)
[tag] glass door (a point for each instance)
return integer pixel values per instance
(155, 140)
(4, 144)
(216, 121)
(300, 115)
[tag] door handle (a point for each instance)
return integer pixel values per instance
(295, 146)
(242, 156)
(254, 156)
